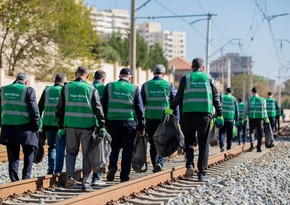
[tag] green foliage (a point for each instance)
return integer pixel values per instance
(48, 35)
(241, 86)
(156, 56)
(117, 49)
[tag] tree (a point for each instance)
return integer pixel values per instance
(156, 56)
(240, 85)
(47, 35)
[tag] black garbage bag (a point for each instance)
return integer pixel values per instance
(139, 160)
(99, 152)
(39, 151)
(168, 136)
(269, 137)
(213, 135)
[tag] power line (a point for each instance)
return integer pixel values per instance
(140, 7)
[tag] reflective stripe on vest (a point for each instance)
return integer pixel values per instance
(241, 106)
(78, 108)
(52, 94)
(197, 96)
(271, 107)
(121, 101)
(157, 98)
(13, 105)
(256, 110)
(228, 105)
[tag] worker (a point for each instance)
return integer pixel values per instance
(78, 111)
(99, 83)
(255, 110)
(198, 95)
(156, 95)
(230, 114)
(122, 104)
(19, 124)
(242, 128)
(47, 106)
(279, 113)
(271, 106)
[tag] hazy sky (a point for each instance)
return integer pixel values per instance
(251, 21)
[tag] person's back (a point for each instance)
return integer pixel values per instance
(79, 110)
(99, 81)
(157, 94)
(123, 107)
(271, 105)
(230, 113)
(47, 106)
(19, 124)
(198, 95)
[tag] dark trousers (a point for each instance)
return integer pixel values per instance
(242, 132)
(256, 125)
(272, 122)
(13, 151)
(226, 128)
(277, 124)
(151, 127)
(190, 124)
(123, 134)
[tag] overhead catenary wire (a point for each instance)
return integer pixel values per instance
(140, 7)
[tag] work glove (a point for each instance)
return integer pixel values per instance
(60, 133)
(99, 134)
(219, 121)
(168, 111)
(266, 119)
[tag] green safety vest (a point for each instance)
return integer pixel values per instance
(197, 96)
(241, 106)
(13, 105)
(157, 98)
(256, 110)
(121, 101)
(51, 97)
(271, 107)
(228, 105)
(100, 87)
(78, 108)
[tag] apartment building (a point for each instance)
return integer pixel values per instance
(172, 42)
(109, 21)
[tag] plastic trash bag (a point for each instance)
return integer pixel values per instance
(269, 137)
(168, 136)
(99, 152)
(39, 151)
(213, 135)
(139, 160)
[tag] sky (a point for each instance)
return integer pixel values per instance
(262, 27)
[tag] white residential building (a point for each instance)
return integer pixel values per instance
(111, 20)
(172, 42)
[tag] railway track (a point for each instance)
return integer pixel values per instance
(147, 188)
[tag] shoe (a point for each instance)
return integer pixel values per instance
(239, 143)
(87, 189)
(251, 148)
(259, 150)
(189, 171)
(69, 183)
(124, 180)
(111, 175)
(202, 177)
(49, 172)
(222, 150)
(98, 182)
(157, 168)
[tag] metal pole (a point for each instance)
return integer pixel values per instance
(229, 74)
(279, 84)
(133, 40)
(208, 44)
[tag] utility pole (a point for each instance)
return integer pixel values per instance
(229, 74)
(133, 40)
(208, 43)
